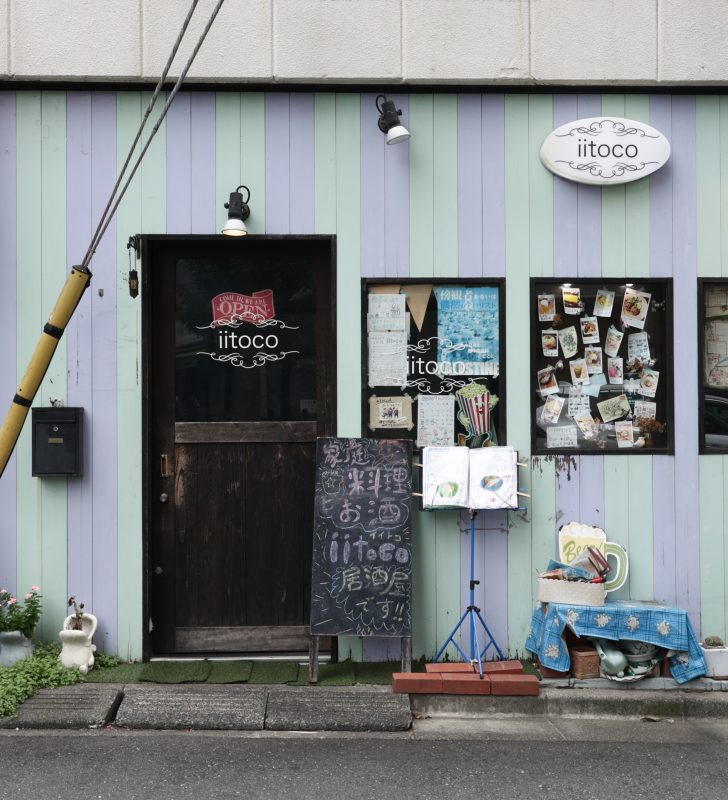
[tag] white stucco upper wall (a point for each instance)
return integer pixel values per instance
(369, 41)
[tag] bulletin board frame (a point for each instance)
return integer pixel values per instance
(665, 365)
(499, 284)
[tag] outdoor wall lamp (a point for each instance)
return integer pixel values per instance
(238, 212)
(389, 122)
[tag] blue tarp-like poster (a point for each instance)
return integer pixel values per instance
(468, 325)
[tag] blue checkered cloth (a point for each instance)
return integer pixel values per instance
(641, 622)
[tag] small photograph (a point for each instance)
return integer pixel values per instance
(568, 341)
(645, 409)
(593, 358)
(615, 370)
(624, 433)
(579, 372)
(634, 308)
(572, 300)
(547, 383)
(589, 330)
(550, 343)
(613, 341)
(603, 303)
(588, 426)
(546, 307)
(648, 383)
(614, 408)
(552, 410)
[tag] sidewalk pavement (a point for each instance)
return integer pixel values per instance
(239, 707)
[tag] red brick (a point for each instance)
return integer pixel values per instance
(547, 672)
(512, 667)
(450, 666)
(460, 683)
(514, 685)
(417, 682)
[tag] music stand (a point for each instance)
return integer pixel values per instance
(472, 615)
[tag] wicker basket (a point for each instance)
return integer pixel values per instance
(577, 593)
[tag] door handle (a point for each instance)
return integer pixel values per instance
(158, 570)
(163, 497)
(164, 466)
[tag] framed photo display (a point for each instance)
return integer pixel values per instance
(713, 364)
(432, 361)
(601, 365)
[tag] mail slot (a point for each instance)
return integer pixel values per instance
(57, 442)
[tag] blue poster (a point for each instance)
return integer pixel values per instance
(468, 327)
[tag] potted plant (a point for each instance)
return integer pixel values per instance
(17, 623)
(716, 656)
(78, 629)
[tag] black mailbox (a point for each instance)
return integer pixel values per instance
(57, 442)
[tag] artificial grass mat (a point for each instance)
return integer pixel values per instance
(275, 672)
(230, 671)
(175, 671)
(123, 673)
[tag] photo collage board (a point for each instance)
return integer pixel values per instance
(432, 354)
(713, 310)
(601, 365)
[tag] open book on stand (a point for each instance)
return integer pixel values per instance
(457, 477)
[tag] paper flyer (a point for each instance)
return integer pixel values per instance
(493, 478)
(579, 371)
(638, 348)
(550, 343)
(435, 420)
(445, 472)
(546, 307)
(648, 383)
(716, 351)
(568, 341)
(387, 358)
(593, 358)
(589, 330)
(615, 370)
(603, 303)
(578, 402)
(624, 433)
(468, 327)
(561, 436)
(634, 308)
(390, 412)
(552, 410)
(614, 408)
(572, 300)
(645, 409)
(613, 341)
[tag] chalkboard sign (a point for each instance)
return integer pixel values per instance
(362, 540)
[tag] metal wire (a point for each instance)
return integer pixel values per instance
(107, 216)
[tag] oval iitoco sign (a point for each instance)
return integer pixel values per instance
(604, 150)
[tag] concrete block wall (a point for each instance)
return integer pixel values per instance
(601, 42)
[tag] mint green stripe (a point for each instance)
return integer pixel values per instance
(143, 209)
(723, 122)
(252, 156)
(540, 188)
(520, 567)
(445, 178)
(708, 185)
(422, 198)
(30, 322)
(54, 492)
(712, 546)
(228, 170)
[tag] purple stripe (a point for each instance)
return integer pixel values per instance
(568, 490)
(661, 188)
(687, 467)
(202, 166)
(663, 467)
(179, 159)
(303, 207)
(591, 488)
(79, 229)
(470, 189)
(494, 185)
(396, 200)
(566, 221)
(277, 163)
(589, 207)
(372, 191)
(382, 648)
(103, 418)
(8, 335)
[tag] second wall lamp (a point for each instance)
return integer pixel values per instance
(389, 122)
(238, 212)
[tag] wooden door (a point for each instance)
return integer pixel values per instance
(239, 344)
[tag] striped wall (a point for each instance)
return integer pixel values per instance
(467, 196)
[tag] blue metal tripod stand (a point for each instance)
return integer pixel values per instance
(471, 613)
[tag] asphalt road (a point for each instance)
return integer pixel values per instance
(108, 764)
